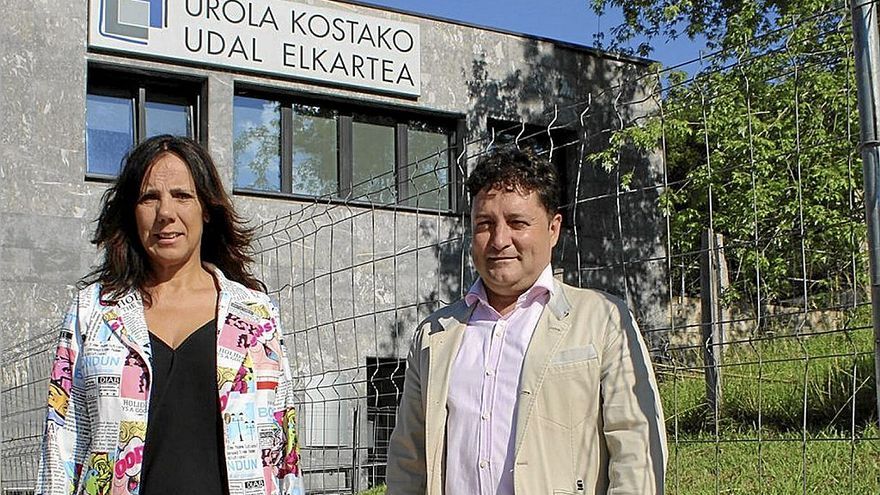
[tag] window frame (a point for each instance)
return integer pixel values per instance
(140, 85)
(347, 112)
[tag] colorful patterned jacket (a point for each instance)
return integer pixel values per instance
(99, 392)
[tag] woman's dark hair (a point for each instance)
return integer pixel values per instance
(511, 167)
(225, 238)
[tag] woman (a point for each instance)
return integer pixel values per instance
(170, 375)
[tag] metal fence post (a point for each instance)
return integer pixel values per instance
(355, 450)
(713, 279)
(867, 54)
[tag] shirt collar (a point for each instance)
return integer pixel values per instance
(544, 285)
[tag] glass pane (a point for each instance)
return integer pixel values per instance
(256, 143)
(428, 169)
(168, 118)
(109, 132)
(314, 151)
(373, 162)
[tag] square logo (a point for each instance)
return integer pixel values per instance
(132, 20)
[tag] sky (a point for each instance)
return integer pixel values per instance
(564, 20)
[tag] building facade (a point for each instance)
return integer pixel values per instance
(343, 132)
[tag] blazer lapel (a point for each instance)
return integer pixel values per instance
(237, 331)
(126, 319)
(443, 347)
(549, 333)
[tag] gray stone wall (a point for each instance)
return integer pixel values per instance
(352, 282)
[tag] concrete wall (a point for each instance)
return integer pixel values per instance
(386, 268)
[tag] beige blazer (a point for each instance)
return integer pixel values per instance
(589, 418)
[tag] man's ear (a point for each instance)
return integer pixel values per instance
(555, 228)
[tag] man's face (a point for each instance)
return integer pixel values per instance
(513, 239)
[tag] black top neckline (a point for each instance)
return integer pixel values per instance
(184, 448)
(155, 339)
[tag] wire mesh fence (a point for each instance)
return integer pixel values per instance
(729, 215)
(721, 198)
(23, 406)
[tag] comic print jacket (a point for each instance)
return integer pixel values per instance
(99, 391)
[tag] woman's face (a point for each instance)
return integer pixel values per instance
(169, 215)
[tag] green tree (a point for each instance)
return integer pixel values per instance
(760, 144)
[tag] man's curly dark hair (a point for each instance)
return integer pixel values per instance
(522, 170)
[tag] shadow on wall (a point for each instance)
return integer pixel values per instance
(617, 242)
(441, 285)
(614, 234)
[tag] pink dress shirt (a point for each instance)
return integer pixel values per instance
(483, 391)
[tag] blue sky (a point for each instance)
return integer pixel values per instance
(565, 20)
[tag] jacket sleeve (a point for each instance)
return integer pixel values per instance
(633, 422)
(289, 473)
(407, 469)
(68, 427)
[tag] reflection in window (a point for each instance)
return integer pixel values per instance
(314, 151)
(124, 109)
(256, 143)
(298, 146)
(427, 169)
(168, 118)
(109, 132)
(373, 176)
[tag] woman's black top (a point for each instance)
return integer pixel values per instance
(184, 450)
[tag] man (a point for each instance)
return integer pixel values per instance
(527, 385)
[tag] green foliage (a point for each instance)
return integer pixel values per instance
(759, 146)
(724, 24)
(771, 379)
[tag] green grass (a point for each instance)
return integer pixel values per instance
(796, 411)
(775, 465)
(774, 384)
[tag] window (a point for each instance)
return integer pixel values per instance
(124, 108)
(301, 147)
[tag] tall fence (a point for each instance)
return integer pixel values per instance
(722, 198)
(725, 204)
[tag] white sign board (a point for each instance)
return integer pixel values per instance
(271, 36)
